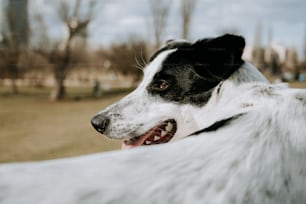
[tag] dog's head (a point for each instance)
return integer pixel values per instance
(178, 81)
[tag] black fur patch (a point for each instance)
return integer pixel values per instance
(194, 70)
(217, 125)
(170, 44)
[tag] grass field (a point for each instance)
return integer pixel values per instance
(34, 128)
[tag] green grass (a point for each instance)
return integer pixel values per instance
(34, 128)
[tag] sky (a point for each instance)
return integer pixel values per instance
(118, 20)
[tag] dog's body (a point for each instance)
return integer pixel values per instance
(242, 142)
(258, 156)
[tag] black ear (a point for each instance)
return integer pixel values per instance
(170, 44)
(217, 58)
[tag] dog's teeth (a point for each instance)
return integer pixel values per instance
(163, 133)
(169, 127)
(148, 142)
(156, 138)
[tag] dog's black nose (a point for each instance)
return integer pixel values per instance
(100, 123)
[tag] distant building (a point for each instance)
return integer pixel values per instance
(273, 59)
(305, 45)
(291, 60)
(258, 52)
(277, 58)
(14, 25)
(258, 58)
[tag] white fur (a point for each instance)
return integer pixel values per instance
(257, 158)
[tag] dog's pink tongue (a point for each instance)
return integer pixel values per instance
(129, 146)
(137, 143)
(125, 146)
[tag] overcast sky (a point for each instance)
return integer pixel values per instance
(116, 20)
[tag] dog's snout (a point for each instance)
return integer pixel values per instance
(100, 122)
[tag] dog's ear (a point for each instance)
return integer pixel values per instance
(217, 58)
(170, 44)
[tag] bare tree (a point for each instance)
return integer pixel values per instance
(16, 40)
(258, 56)
(13, 51)
(9, 66)
(75, 22)
(159, 11)
(187, 8)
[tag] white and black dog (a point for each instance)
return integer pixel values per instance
(242, 142)
(181, 80)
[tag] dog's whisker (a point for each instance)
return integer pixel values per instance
(140, 63)
(143, 61)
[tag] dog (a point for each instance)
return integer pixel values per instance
(225, 136)
(181, 79)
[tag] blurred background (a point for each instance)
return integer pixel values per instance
(61, 61)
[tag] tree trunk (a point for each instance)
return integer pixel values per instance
(58, 92)
(187, 8)
(14, 86)
(13, 71)
(60, 72)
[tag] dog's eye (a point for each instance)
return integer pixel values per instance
(160, 85)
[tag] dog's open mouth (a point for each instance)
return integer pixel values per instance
(161, 133)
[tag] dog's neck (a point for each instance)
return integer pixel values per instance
(245, 74)
(229, 98)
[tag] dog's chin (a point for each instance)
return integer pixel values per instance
(162, 133)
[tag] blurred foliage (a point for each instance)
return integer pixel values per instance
(128, 58)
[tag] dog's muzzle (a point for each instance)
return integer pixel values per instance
(100, 123)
